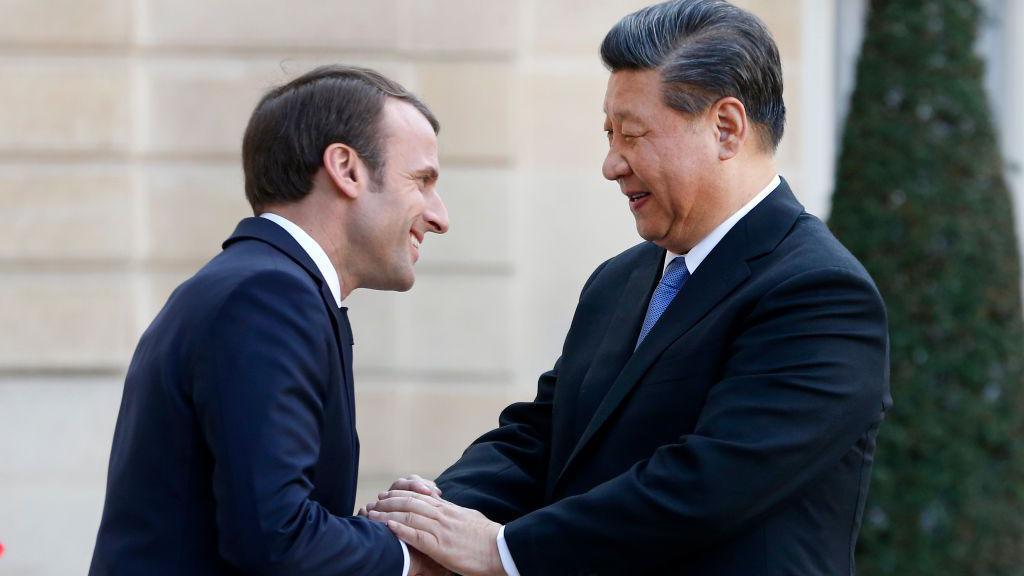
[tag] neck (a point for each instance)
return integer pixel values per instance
(320, 221)
(751, 182)
(732, 191)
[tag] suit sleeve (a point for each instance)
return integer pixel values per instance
(259, 389)
(502, 473)
(804, 380)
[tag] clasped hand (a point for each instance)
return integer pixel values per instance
(460, 539)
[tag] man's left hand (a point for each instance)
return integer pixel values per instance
(461, 539)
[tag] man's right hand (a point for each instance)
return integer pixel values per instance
(419, 563)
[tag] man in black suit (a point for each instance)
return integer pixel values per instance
(235, 450)
(715, 407)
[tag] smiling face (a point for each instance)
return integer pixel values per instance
(391, 219)
(666, 162)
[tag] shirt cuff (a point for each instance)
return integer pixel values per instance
(405, 561)
(506, 557)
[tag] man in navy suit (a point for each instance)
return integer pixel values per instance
(235, 450)
(715, 407)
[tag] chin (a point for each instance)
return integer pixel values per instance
(405, 285)
(646, 233)
(403, 279)
(399, 279)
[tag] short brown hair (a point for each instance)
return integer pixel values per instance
(294, 123)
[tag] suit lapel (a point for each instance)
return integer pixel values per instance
(620, 337)
(721, 273)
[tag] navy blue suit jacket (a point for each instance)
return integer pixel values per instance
(736, 440)
(235, 450)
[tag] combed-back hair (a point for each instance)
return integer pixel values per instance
(704, 50)
(294, 123)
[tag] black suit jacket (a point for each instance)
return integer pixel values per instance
(235, 450)
(736, 440)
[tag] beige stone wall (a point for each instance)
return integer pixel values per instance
(120, 127)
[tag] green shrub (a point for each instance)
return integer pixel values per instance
(921, 200)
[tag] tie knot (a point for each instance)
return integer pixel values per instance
(675, 273)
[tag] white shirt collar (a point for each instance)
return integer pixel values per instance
(700, 251)
(315, 251)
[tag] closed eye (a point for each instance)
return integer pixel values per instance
(425, 177)
(627, 137)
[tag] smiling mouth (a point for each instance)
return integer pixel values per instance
(637, 196)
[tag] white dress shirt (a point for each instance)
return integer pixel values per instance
(694, 257)
(330, 274)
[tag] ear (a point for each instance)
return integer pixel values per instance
(346, 169)
(731, 125)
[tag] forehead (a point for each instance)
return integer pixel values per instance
(632, 94)
(407, 131)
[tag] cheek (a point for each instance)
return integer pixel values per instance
(416, 204)
(404, 211)
(648, 162)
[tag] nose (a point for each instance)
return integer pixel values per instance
(615, 166)
(436, 214)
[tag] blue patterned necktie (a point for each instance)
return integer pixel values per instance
(672, 280)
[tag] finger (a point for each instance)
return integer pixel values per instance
(362, 512)
(412, 486)
(391, 494)
(426, 486)
(409, 519)
(415, 484)
(408, 504)
(422, 541)
(397, 484)
(423, 488)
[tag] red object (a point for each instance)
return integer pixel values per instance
(1, 549)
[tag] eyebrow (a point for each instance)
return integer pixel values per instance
(429, 173)
(622, 115)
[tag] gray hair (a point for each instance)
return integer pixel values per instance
(704, 50)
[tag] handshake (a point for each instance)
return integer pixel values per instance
(444, 537)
